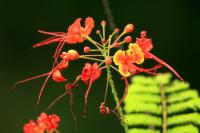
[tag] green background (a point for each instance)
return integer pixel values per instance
(173, 26)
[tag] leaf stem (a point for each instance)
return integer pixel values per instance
(164, 109)
(114, 92)
(89, 58)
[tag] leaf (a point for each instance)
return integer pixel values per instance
(184, 119)
(141, 130)
(182, 96)
(143, 119)
(193, 104)
(184, 129)
(144, 104)
(138, 106)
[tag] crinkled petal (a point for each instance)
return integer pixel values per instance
(89, 25)
(75, 27)
(57, 76)
(135, 53)
(119, 57)
(123, 69)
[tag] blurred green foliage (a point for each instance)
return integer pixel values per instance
(143, 105)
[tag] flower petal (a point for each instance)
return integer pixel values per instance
(135, 53)
(119, 57)
(123, 69)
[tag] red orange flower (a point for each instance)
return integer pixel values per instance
(75, 33)
(145, 44)
(90, 73)
(32, 127)
(44, 122)
(50, 122)
(125, 59)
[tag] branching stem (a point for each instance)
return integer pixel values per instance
(164, 109)
(114, 92)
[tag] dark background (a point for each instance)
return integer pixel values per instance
(173, 26)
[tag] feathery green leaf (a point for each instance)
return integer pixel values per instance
(184, 129)
(143, 119)
(184, 119)
(181, 96)
(140, 130)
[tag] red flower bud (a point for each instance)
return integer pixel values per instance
(86, 49)
(117, 30)
(108, 61)
(128, 39)
(103, 23)
(97, 31)
(129, 28)
(143, 34)
(116, 44)
(103, 41)
(73, 54)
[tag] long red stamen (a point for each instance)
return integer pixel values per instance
(86, 97)
(47, 41)
(53, 33)
(166, 65)
(125, 93)
(71, 101)
(28, 79)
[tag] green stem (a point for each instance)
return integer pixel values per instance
(57, 131)
(164, 109)
(114, 92)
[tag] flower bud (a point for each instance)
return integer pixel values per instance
(117, 44)
(117, 30)
(97, 31)
(108, 61)
(128, 39)
(73, 54)
(143, 34)
(86, 49)
(103, 23)
(129, 28)
(103, 41)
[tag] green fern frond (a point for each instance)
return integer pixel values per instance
(143, 119)
(181, 96)
(184, 119)
(138, 88)
(143, 97)
(193, 104)
(138, 106)
(184, 129)
(177, 86)
(163, 78)
(144, 80)
(157, 102)
(140, 130)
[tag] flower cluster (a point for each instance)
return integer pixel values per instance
(105, 55)
(48, 123)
